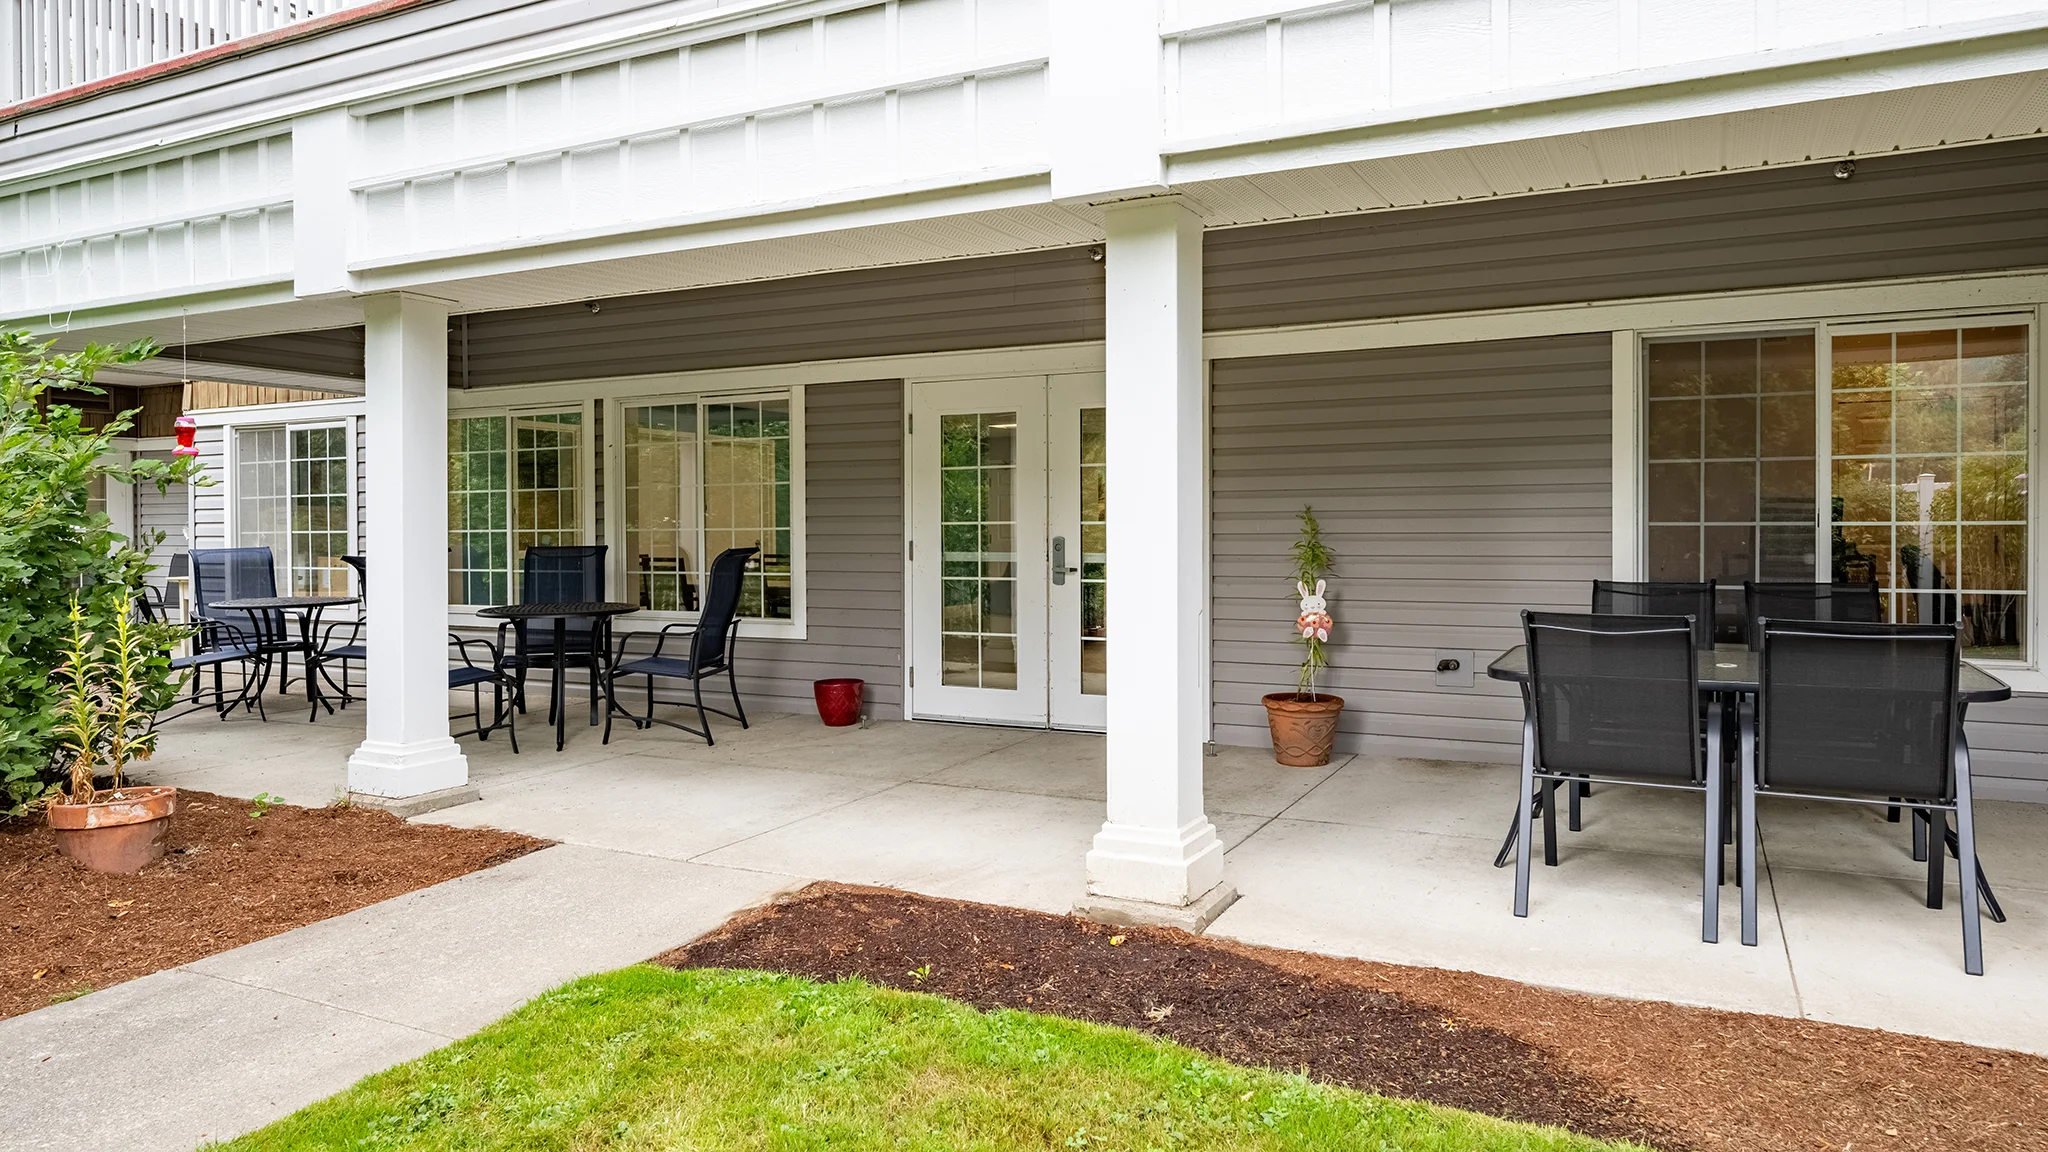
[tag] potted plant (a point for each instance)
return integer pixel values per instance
(112, 684)
(1304, 721)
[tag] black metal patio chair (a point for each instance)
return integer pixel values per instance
(1615, 700)
(473, 675)
(214, 645)
(334, 663)
(712, 638)
(1863, 713)
(1857, 603)
(556, 573)
(241, 573)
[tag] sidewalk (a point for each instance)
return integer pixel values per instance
(234, 1041)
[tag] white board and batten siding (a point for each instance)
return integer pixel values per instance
(1457, 484)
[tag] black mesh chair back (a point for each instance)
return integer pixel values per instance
(721, 602)
(235, 574)
(560, 573)
(1859, 709)
(1616, 696)
(1659, 598)
(362, 566)
(1855, 603)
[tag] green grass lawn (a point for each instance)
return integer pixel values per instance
(648, 1058)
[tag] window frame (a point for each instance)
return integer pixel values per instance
(1824, 329)
(586, 478)
(797, 626)
(231, 502)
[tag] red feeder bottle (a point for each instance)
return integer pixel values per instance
(186, 428)
(838, 700)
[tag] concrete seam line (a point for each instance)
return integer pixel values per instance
(316, 1003)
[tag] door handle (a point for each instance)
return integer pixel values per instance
(1059, 560)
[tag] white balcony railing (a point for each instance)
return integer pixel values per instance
(50, 45)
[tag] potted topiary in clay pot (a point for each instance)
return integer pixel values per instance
(1304, 721)
(114, 682)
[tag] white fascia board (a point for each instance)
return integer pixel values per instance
(1886, 63)
(928, 200)
(158, 309)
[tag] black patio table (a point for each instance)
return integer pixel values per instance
(600, 613)
(1732, 672)
(308, 609)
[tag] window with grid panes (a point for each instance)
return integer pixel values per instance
(702, 476)
(515, 480)
(291, 495)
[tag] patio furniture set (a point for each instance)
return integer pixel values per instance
(242, 623)
(1815, 699)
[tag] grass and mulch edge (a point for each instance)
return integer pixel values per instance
(1673, 1076)
(650, 1057)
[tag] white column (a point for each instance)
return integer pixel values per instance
(1157, 858)
(406, 751)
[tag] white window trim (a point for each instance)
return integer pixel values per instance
(797, 627)
(231, 502)
(464, 615)
(1631, 462)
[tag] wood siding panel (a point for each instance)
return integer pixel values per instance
(1457, 485)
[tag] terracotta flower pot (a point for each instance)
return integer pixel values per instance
(1303, 727)
(120, 833)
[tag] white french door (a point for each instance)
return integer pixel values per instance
(1009, 554)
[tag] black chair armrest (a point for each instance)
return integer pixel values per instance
(327, 633)
(462, 643)
(689, 628)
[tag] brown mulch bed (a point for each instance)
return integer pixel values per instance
(1673, 1077)
(228, 879)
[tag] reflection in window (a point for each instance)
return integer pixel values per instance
(702, 477)
(1094, 555)
(1929, 477)
(291, 496)
(1730, 484)
(977, 550)
(514, 481)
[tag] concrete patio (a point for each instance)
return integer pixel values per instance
(1371, 857)
(662, 838)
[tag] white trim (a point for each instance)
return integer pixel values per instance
(1629, 466)
(1659, 315)
(284, 413)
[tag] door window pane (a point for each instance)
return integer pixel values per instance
(746, 479)
(479, 491)
(319, 511)
(1730, 475)
(1094, 564)
(1930, 477)
(977, 555)
(664, 571)
(263, 491)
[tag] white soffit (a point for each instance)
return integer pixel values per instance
(1907, 120)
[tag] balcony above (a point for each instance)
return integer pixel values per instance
(52, 47)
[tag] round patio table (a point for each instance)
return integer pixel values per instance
(600, 614)
(308, 610)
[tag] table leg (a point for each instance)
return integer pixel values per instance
(560, 709)
(597, 639)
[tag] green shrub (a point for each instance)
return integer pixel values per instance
(53, 548)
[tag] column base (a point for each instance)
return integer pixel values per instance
(1191, 917)
(407, 807)
(1166, 866)
(397, 771)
